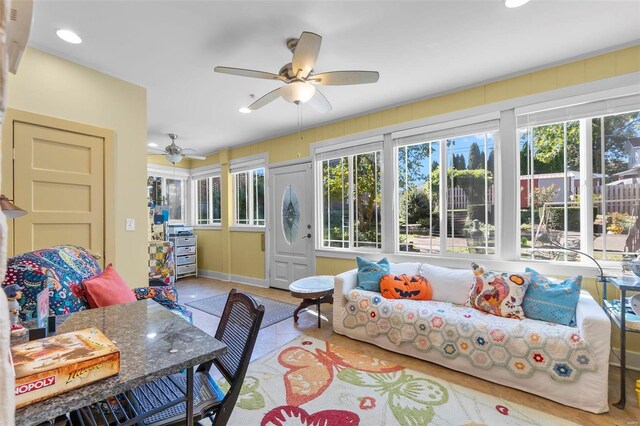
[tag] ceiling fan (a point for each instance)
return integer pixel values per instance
(299, 77)
(174, 154)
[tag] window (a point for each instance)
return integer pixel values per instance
(462, 222)
(418, 197)
(248, 189)
(580, 181)
(168, 192)
(351, 201)
(207, 198)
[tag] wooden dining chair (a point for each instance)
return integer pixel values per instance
(238, 329)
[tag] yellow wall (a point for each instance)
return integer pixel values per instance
(51, 86)
(332, 266)
(210, 249)
(247, 258)
(612, 64)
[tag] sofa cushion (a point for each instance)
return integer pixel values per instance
(370, 273)
(498, 294)
(406, 268)
(414, 287)
(108, 289)
(552, 300)
(448, 284)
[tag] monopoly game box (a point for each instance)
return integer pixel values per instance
(58, 364)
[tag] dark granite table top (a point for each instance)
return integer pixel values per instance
(153, 342)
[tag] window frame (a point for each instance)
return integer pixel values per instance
(440, 135)
(348, 150)
(183, 175)
(506, 175)
(585, 112)
(206, 172)
(249, 165)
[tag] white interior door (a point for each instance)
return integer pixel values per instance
(291, 248)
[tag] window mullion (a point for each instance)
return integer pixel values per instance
(390, 210)
(586, 186)
(352, 188)
(565, 189)
(603, 186)
(443, 196)
(506, 187)
(210, 201)
(249, 192)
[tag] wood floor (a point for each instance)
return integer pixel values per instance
(277, 335)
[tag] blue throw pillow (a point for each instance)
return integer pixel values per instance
(370, 273)
(552, 301)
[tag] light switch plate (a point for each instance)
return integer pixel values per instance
(130, 224)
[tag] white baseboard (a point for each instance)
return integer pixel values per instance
(257, 282)
(213, 274)
(633, 359)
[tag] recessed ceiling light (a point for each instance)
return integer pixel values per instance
(244, 110)
(69, 36)
(514, 3)
(152, 145)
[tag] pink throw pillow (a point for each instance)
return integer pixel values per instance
(107, 289)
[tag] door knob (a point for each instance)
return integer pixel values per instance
(306, 236)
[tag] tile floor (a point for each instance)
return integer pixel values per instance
(278, 334)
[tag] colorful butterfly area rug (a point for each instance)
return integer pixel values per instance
(310, 382)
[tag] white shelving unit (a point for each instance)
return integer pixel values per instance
(186, 255)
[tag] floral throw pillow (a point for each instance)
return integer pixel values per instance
(498, 294)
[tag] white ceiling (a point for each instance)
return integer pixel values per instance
(419, 47)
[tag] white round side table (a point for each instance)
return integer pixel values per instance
(313, 291)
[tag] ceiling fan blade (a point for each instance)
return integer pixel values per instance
(320, 103)
(306, 53)
(269, 97)
(157, 150)
(196, 157)
(248, 73)
(340, 78)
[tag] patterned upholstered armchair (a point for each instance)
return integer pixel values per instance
(63, 269)
(161, 262)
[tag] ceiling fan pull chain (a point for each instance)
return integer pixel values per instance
(299, 121)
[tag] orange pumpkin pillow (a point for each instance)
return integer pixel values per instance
(405, 287)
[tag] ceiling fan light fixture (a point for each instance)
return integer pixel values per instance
(298, 92)
(173, 158)
(515, 3)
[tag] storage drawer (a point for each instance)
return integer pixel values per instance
(185, 260)
(185, 241)
(181, 251)
(186, 269)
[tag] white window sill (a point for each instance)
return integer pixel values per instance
(557, 268)
(246, 228)
(206, 227)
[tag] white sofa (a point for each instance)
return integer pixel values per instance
(355, 310)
